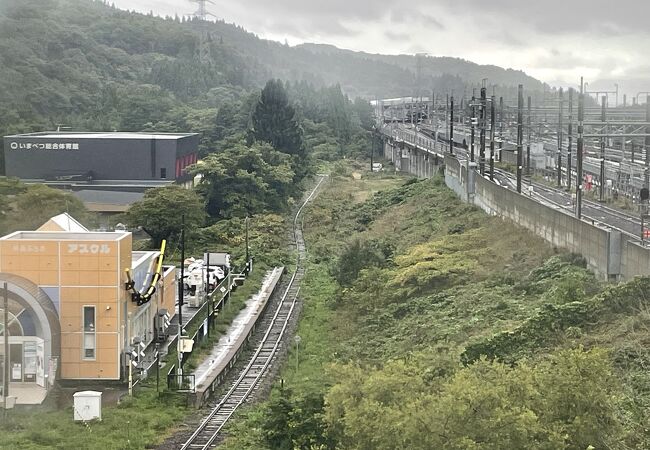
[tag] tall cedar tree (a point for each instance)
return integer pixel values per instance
(274, 121)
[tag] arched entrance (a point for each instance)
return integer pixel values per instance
(29, 362)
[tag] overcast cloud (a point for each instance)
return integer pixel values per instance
(556, 41)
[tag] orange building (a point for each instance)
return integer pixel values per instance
(70, 313)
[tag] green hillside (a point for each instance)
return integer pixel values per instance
(84, 63)
(428, 324)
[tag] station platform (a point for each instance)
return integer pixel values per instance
(27, 393)
(230, 342)
(211, 371)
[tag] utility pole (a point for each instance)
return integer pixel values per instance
(372, 147)
(451, 127)
(520, 132)
(181, 295)
(207, 292)
(472, 119)
(529, 126)
(603, 118)
(570, 148)
(5, 332)
(481, 161)
(492, 124)
(560, 139)
(248, 258)
(580, 149)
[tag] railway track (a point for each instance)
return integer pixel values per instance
(258, 366)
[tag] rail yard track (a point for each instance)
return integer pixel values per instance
(258, 365)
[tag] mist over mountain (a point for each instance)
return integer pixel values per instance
(84, 63)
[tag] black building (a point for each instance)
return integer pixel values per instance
(89, 158)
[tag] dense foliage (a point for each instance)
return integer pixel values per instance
(90, 66)
(440, 327)
(162, 212)
(24, 207)
(242, 180)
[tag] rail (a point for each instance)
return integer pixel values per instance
(208, 430)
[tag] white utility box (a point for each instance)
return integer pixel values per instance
(87, 405)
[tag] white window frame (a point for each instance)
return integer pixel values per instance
(85, 333)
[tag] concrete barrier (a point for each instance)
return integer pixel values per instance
(417, 161)
(609, 253)
(554, 225)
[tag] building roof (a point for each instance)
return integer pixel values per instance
(107, 201)
(63, 222)
(66, 236)
(103, 135)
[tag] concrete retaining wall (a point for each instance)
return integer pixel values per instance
(609, 253)
(416, 161)
(555, 226)
(635, 259)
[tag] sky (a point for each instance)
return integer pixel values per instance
(556, 41)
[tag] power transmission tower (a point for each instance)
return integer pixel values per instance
(202, 14)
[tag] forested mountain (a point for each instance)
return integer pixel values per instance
(87, 64)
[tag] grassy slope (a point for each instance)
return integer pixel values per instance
(459, 280)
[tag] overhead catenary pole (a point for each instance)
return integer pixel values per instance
(520, 132)
(560, 138)
(482, 121)
(529, 128)
(570, 146)
(472, 132)
(492, 125)
(646, 182)
(451, 126)
(501, 126)
(603, 118)
(447, 118)
(580, 148)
